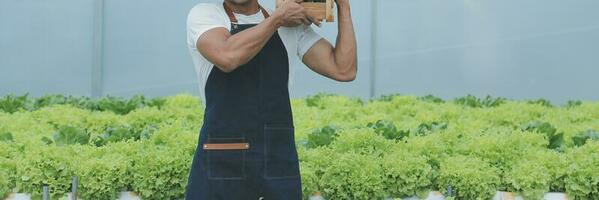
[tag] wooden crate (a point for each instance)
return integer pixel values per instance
(321, 10)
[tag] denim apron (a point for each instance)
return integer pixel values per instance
(246, 148)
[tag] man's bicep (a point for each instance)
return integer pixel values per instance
(320, 59)
(210, 44)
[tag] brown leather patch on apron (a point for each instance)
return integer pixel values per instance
(226, 146)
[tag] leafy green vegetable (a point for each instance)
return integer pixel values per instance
(353, 176)
(45, 166)
(542, 102)
(322, 137)
(582, 138)
(388, 130)
(161, 177)
(573, 103)
(105, 177)
(386, 98)
(556, 140)
(68, 135)
(120, 105)
(12, 103)
(362, 141)
(427, 128)
(8, 169)
(582, 181)
(6, 136)
(47, 140)
(529, 177)
(407, 175)
(50, 100)
(4, 189)
(475, 102)
(147, 145)
(315, 101)
(118, 133)
(431, 98)
(470, 178)
(155, 102)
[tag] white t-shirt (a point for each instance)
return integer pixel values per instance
(206, 16)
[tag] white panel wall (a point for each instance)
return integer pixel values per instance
(46, 46)
(513, 48)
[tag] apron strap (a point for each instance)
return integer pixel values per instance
(234, 19)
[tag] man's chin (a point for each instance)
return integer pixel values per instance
(239, 2)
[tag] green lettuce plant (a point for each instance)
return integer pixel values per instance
(119, 133)
(160, 172)
(582, 181)
(8, 169)
(13, 103)
(362, 141)
(314, 163)
(542, 102)
(388, 130)
(6, 136)
(103, 177)
(431, 99)
(316, 100)
(427, 128)
(556, 139)
(530, 177)
(310, 180)
(470, 178)
(386, 98)
(322, 137)
(406, 174)
(68, 135)
(4, 183)
(573, 103)
(475, 102)
(45, 165)
(353, 176)
(582, 138)
(502, 150)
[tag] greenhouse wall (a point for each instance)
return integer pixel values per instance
(511, 48)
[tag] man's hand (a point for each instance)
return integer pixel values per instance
(291, 14)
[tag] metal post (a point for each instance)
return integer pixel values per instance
(98, 48)
(74, 188)
(45, 193)
(373, 46)
(449, 191)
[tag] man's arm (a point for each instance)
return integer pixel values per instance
(340, 62)
(228, 52)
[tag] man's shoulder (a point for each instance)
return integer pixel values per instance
(205, 8)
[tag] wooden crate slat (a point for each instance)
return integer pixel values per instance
(320, 10)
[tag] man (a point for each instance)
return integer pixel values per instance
(241, 53)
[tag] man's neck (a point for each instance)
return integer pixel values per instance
(249, 8)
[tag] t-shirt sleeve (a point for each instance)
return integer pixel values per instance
(201, 18)
(306, 39)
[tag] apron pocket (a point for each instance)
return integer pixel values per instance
(226, 158)
(281, 159)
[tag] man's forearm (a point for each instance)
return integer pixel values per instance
(243, 46)
(345, 48)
